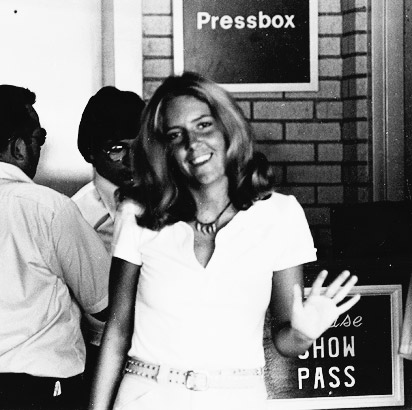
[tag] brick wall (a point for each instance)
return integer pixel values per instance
(318, 142)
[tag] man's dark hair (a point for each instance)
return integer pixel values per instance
(15, 119)
(111, 114)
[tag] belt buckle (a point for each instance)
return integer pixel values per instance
(196, 381)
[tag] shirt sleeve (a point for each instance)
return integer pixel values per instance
(297, 243)
(127, 234)
(83, 260)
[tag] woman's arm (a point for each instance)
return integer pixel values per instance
(287, 341)
(123, 281)
(296, 324)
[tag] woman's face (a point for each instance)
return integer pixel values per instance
(196, 140)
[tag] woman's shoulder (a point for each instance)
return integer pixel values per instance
(274, 209)
(279, 202)
(277, 210)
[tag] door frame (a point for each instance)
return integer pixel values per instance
(387, 110)
(122, 53)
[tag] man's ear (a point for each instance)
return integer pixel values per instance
(18, 149)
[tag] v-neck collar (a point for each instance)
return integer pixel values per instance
(221, 234)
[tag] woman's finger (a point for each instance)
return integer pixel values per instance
(344, 290)
(318, 283)
(333, 288)
(348, 304)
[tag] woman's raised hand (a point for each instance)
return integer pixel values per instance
(316, 314)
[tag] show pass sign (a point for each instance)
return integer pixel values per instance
(243, 42)
(343, 364)
(331, 347)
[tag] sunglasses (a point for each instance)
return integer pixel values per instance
(117, 152)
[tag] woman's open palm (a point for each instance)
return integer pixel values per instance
(315, 315)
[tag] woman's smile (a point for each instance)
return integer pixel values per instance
(197, 142)
(201, 159)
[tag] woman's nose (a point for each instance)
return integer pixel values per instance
(192, 137)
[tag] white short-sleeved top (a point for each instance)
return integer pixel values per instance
(97, 202)
(194, 317)
(51, 261)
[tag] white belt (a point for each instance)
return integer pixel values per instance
(195, 380)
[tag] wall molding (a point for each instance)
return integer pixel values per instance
(122, 44)
(387, 111)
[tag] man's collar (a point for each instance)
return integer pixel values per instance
(108, 193)
(13, 173)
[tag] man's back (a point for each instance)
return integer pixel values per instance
(52, 264)
(45, 248)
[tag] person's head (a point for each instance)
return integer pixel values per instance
(229, 118)
(191, 120)
(109, 124)
(197, 142)
(21, 135)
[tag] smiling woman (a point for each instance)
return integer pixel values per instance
(193, 133)
(202, 246)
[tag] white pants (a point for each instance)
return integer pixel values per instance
(139, 393)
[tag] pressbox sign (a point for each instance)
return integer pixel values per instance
(353, 364)
(260, 45)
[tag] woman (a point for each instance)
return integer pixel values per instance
(208, 245)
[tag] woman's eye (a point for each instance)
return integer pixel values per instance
(205, 124)
(174, 136)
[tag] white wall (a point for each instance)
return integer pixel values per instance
(55, 48)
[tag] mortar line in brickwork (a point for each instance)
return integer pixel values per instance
(354, 33)
(330, 78)
(330, 57)
(316, 195)
(314, 184)
(355, 54)
(284, 131)
(306, 120)
(157, 14)
(148, 57)
(355, 76)
(334, 163)
(355, 10)
(329, 35)
(314, 99)
(354, 98)
(330, 13)
(252, 110)
(350, 119)
(145, 36)
(273, 143)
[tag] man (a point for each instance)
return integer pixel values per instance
(109, 124)
(51, 262)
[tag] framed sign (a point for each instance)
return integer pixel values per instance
(248, 46)
(353, 364)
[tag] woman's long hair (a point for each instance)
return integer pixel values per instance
(159, 186)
